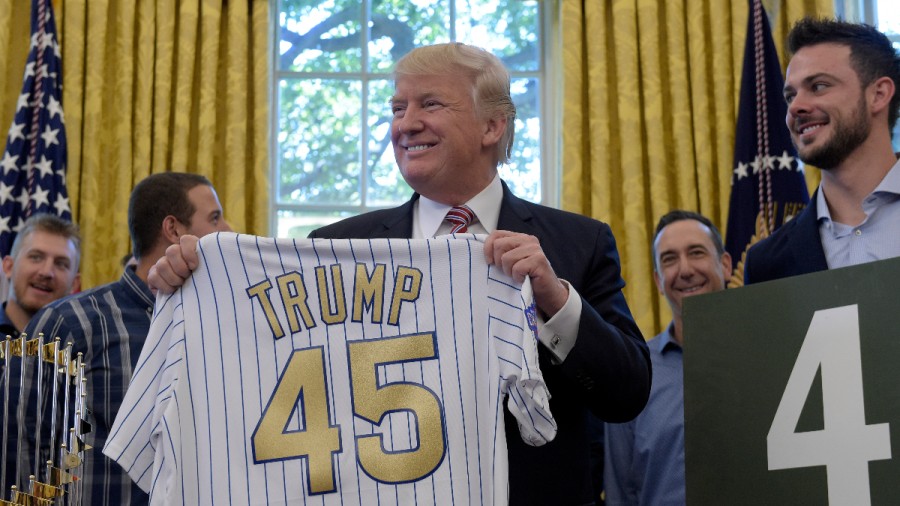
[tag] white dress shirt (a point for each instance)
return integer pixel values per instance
(876, 238)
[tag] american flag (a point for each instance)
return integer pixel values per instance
(33, 165)
(768, 187)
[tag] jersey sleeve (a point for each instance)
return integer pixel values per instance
(138, 431)
(528, 398)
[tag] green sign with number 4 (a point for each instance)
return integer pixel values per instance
(792, 390)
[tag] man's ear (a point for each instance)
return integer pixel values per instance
(726, 266)
(494, 129)
(171, 229)
(883, 91)
(8, 266)
(76, 284)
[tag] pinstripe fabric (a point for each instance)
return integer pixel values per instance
(108, 324)
(191, 428)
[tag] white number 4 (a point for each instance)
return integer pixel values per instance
(846, 444)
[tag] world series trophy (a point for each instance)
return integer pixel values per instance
(63, 380)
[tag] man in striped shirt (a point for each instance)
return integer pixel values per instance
(109, 323)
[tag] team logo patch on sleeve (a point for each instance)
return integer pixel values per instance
(531, 315)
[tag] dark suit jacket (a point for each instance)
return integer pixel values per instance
(793, 249)
(608, 370)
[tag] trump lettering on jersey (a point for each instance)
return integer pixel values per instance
(368, 296)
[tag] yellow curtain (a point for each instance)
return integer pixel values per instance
(14, 38)
(650, 104)
(154, 86)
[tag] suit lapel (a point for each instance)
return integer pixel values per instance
(514, 214)
(398, 222)
(807, 246)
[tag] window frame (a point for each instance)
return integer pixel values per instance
(549, 104)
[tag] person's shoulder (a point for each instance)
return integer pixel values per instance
(350, 228)
(659, 337)
(70, 314)
(363, 226)
(554, 215)
(6, 327)
(775, 256)
(76, 300)
(778, 241)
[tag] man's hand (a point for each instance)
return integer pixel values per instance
(172, 269)
(520, 255)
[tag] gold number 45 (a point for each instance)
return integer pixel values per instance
(304, 381)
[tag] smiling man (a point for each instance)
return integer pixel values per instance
(841, 89)
(42, 266)
(644, 458)
(452, 126)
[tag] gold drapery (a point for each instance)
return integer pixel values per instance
(153, 86)
(649, 110)
(14, 38)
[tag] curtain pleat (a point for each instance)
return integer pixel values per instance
(153, 86)
(14, 39)
(162, 86)
(649, 109)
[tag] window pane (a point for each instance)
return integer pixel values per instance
(319, 141)
(523, 173)
(888, 14)
(385, 184)
(889, 17)
(298, 225)
(320, 35)
(398, 27)
(332, 154)
(507, 28)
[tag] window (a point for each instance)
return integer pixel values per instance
(331, 149)
(887, 18)
(885, 14)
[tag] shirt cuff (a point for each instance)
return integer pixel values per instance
(558, 334)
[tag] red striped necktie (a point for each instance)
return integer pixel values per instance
(460, 217)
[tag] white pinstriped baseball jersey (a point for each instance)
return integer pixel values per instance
(334, 372)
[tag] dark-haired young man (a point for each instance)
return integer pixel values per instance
(109, 323)
(841, 90)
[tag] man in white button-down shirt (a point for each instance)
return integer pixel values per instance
(841, 88)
